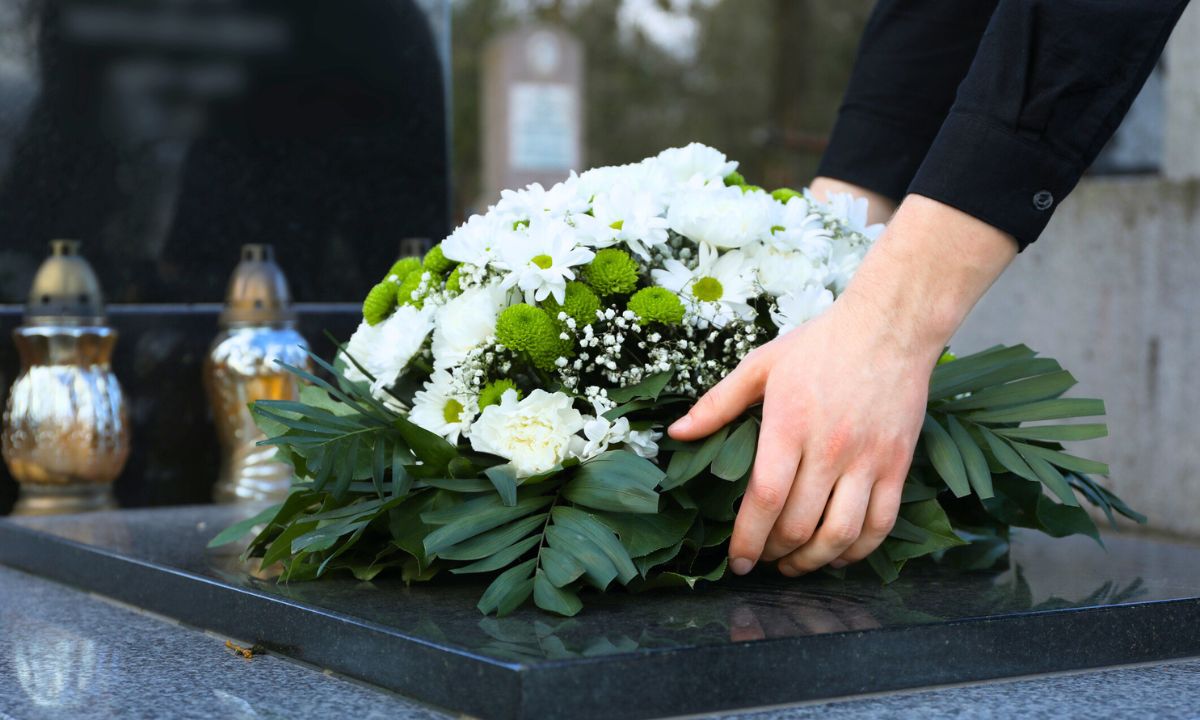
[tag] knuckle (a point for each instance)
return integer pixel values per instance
(880, 524)
(767, 496)
(795, 533)
(841, 534)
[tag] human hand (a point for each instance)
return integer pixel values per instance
(844, 394)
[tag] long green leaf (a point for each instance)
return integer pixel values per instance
(1065, 461)
(944, 455)
(1007, 456)
(1048, 474)
(1041, 410)
(687, 464)
(1056, 433)
(501, 559)
(973, 459)
(648, 389)
(561, 567)
(1020, 392)
(737, 454)
(493, 541)
(554, 599)
(237, 530)
(996, 375)
(599, 570)
(509, 590)
(600, 535)
(486, 519)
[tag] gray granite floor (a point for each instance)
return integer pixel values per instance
(64, 654)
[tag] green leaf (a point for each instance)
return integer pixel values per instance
(928, 518)
(1007, 456)
(973, 459)
(997, 374)
(1065, 461)
(281, 546)
(554, 599)
(501, 559)
(493, 541)
(1020, 392)
(1056, 433)
(643, 534)
(237, 530)
(1041, 410)
(479, 522)
(560, 567)
(509, 590)
(379, 466)
(944, 455)
(687, 464)
(431, 448)
(914, 491)
(504, 479)
(648, 389)
(680, 580)
(599, 570)
(971, 367)
(887, 569)
(617, 480)
(737, 454)
(1048, 474)
(600, 535)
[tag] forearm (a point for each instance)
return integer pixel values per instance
(926, 272)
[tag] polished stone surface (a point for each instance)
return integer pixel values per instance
(1064, 605)
(65, 655)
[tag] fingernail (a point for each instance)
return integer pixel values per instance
(741, 566)
(681, 425)
(838, 564)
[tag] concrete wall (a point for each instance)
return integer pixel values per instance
(1112, 290)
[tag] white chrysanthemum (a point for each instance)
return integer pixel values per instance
(635, 216)
(781, 271)
(598, 434)
(843, 263)
(723, 217)
(476, 240)
(717, 290)
(533, 434)
(799, 227)
(539, 260)
(694, 161)
(384, 350)
(850, 210)
(464, 323)
(442, 410)
(535, 201)
(797, 308)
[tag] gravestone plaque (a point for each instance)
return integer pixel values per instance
(532, 109)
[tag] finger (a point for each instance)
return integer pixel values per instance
(802, 511)
(881, 518)
(723, 403)
(770, 482)
(842, 525)
(744, 625)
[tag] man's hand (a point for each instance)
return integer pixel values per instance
(844, 395)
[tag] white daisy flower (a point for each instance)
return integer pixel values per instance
(635, 218)
(442, 410)
(723, 217)
(476, 240)
(535, 201)
(799, 227)
(539, 260)
(797, 308)
(716, 291)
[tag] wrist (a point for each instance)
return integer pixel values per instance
(926, 272)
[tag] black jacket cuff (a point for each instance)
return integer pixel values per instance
(875, 153)
(1008, 181)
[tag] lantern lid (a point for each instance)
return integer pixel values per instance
(258, 291)
(65, 289)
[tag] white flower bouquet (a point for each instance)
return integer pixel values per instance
(499, 411)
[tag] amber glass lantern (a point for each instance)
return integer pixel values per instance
(66, 435)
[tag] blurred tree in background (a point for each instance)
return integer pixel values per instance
(759, 79)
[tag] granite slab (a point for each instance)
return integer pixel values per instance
(751, 642)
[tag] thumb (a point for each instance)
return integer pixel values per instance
(723, 403)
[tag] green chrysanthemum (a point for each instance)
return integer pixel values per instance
(579, 303)
(735, 178)
(612, 272)
(530, 330)
(403, 267)
(752, 188)
(656, 304)
(436, 261)
(411, 283)
(785, 194)
(494, 391)
(379, 303)
(454, 280)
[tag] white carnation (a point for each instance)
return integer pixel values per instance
(781, 271)
(384, 350)
(723, 217)
(533, 433)
(464, 323)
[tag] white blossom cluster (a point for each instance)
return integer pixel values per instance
(744, 266)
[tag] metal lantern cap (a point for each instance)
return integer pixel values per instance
(258, 291)
(65, 290)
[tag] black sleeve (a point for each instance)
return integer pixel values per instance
(912, 56)
(1050, 84)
